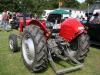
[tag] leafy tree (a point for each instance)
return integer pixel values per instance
(90, 1)
(83, 5)
(71, 3)
(35, 6)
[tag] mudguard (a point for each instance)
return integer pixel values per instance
(41, 24)
(70, 29)
(35, 22)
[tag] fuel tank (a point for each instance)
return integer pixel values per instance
(70, 29)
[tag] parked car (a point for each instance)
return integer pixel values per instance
(93, 25)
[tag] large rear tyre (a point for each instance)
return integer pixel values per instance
(81, 46)
(34, 49)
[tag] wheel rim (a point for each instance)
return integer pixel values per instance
(28, 50)
(11, 44)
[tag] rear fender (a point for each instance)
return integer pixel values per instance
(80, 32)
(40, 24)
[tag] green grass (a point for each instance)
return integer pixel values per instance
(12, 63)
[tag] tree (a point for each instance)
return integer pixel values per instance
(90, 1)
(83, 5)
(71, 3)
(35, 6)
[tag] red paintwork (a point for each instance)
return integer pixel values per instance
(42, 24)
(69, 29)
(21, 23)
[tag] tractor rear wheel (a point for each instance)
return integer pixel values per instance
(34, 49)
(81, 46)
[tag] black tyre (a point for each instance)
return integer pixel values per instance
(13, 43)
(81, 46)
(34, 49)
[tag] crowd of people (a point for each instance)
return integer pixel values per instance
(7, 17)
(4, 20)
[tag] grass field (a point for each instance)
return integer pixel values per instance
(12, 64)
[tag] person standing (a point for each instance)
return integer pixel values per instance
(5, 19)
(0, 20)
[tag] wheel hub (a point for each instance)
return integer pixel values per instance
(11, 44)
(28, 50)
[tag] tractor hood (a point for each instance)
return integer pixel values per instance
(70, 28)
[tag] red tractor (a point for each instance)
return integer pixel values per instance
(42, 42)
